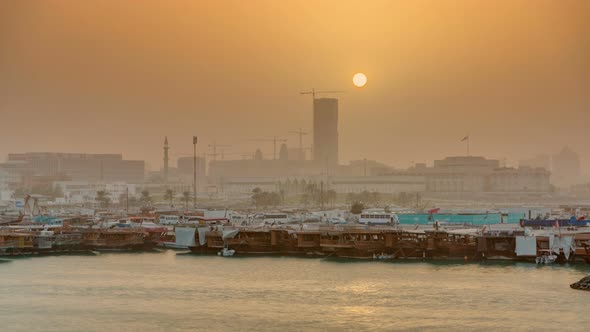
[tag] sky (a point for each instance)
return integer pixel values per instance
(118, 76)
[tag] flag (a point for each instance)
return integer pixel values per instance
(465, 138)
(194, 139)
(433, 211)
(556, 224)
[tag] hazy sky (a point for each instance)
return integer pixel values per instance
(117, 76)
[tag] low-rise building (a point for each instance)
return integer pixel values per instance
(82, 166)
(393, 183)
(76, 192)
(523, 179)
(478, 174)
(386, 184)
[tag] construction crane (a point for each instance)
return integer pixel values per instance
(301, 133)
(214, 147)
(312, 92)
(274, 140)
(244, 155)
(223, 154)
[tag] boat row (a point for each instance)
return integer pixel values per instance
(499, 242)
(373, 235)
(29, 240)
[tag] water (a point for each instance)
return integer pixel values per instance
(167, 291)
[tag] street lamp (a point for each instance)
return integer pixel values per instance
(195, 172)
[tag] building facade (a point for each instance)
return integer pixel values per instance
(77, 192)
(566, 168)
(325, 131)
(523, 179)
(83, 167)
(387, 184)
(185, 167)
(477, 174)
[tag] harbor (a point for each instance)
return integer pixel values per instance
(374, 234)
(294, 166)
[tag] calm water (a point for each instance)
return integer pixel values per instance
(168, 291)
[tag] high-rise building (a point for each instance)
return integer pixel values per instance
(284, 152)
(325, 131)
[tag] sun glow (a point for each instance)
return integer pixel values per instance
(359, 80)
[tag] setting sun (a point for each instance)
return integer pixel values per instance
(359, 80)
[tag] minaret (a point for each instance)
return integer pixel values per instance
(166, 148)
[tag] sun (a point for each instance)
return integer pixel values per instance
(359, 80)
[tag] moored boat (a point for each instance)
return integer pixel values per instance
(115, 239)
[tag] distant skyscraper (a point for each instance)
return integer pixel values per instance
(258, 155)
(284, 153)
(325, 131)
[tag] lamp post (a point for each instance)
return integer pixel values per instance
(195, 172)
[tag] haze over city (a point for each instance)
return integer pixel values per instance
(113, 77)
(294, 165)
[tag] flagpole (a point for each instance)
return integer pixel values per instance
(466, 138)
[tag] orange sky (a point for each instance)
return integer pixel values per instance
(116, 76)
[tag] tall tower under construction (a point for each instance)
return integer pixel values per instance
(325, 131)
(166, 148)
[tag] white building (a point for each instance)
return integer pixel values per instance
(390, 184)
(477, 174)
(5, 183)
(76, 192)
(386, 184)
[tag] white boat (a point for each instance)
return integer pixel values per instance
(547, 258)
(272, 218)
(225, 252)
(173, 245)
(378, 218)
(383, 256)
(337, 220)
(169, 219)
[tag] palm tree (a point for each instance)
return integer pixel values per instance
(146, 199)
(132, 201)
(186, 197)
(312, 193)
(256, 197)
(103, 198)
(169, 196)
(357, 208)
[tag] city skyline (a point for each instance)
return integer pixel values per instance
(294, 165)
(516, 85)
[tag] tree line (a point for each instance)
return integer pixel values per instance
(265, 199)
(144, 200)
